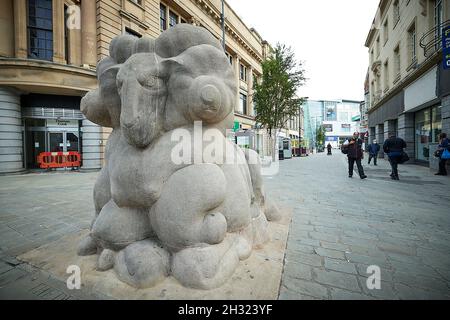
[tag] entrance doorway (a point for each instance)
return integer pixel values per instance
(49, 136)
(62, 141)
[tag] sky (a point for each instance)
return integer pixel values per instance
(328, 36)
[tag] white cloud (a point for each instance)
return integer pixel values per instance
(327, 35)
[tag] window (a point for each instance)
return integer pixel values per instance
(132, 32)
(438, 18)
(346, 127)
(396, 12)
(139, 2)
(40, 29)
(230, 58)
(242, 104)
(397, 63)
(386, 76)
(412, 43)
(243, 73)
(173, 19)
(386, 30)
(66, 34)
(162, 17)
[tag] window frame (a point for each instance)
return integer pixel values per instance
(37, 29)
(162, 18)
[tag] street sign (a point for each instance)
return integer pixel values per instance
(446, 47)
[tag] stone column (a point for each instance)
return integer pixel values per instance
(20, 29)
(372, 135)
(406, 132)
(238, 80)
(379, 134)
(11, 141)
(250, 91)
(389, 129)
(93, 143)
(88, 33)
(58, 31)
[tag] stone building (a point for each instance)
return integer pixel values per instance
(48, 55)
(408, 87)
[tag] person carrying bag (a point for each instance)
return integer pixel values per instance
(393, 147)
(443, 153)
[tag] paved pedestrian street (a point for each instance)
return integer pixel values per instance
(339, 228)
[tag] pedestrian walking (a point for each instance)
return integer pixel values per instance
(355, 154)
(329, 149)
(393, 147)
(443, 153)
(374, 149)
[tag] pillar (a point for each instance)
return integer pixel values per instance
(11, 140)
(88, 33)
(372, 135)
(250, 91)
(406, 132)
(379, 134)
(20, 29)
(92, 142)
(238, 81)
(389, 129)
(58, 31)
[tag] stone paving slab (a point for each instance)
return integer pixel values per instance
(342, 226)
(338, 225)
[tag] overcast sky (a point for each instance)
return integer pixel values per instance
(328, 35)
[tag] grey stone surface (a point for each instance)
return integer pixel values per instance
(168, 206)
(402, 227)
(377, 211)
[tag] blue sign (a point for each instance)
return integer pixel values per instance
(329, 138)
(446, 47)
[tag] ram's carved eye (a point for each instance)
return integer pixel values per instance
(147, 80)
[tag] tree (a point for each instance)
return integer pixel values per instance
(275, 97)
(320, 137)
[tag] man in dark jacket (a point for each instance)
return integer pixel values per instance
(355, 154)
(374, 148)
(393, 147)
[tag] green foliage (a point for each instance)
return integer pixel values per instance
(275, 98)
(320, 136)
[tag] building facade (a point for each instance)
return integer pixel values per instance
(339, 118)
(48, 55)
(409, 89)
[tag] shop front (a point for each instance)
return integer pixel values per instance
(428, 127)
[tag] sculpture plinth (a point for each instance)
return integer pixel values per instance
(163, 207)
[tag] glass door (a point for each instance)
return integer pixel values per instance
(71, 143)
(56, 142)
(63, 141)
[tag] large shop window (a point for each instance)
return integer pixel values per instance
(40, 29)
(428, 125)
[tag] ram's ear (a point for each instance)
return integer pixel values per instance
(171, 66)
(209, 100)
(93, 107)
